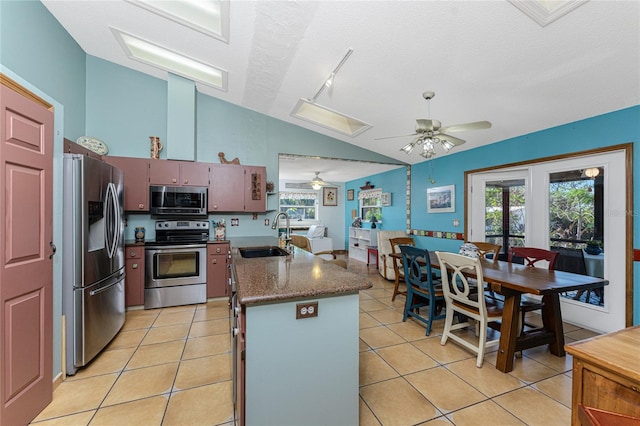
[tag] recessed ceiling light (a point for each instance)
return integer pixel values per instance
(309, 111)
(210, 17)
(166, 59)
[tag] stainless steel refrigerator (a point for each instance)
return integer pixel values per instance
(93, 257)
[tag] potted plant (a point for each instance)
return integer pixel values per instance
(593, 247)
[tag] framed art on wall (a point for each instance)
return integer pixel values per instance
(329, 196)
(350, 195)
(385, 199)
(441, 199)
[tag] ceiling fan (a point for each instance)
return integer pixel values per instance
(430, 132)
(317, 182)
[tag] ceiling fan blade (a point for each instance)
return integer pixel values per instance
(452, 139)
(427, 125)
(393, 137)
(478, 125)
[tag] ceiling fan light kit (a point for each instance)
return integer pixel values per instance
(317, 183)
(431, 133)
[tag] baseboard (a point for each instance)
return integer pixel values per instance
(57, 381)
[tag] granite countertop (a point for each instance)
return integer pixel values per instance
(301, 275)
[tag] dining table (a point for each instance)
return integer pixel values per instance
(512, 280)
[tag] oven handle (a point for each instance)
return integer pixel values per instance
(173, 248)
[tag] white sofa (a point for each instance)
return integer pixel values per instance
(385, 263)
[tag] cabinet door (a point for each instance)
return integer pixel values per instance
(164, 172)
(255, 193)
(136, 181)
(217, 270)
(194, 174)
(134, 280)
(226, 188)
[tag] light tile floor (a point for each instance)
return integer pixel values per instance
(172, 366)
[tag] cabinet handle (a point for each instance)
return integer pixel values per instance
(218, 250)
(174, 180)
(132, 254)
(141, 206)
(186, 182)
(214, 261)
(215, 207)
(134, 266)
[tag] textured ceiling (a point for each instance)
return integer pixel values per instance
(486, 60)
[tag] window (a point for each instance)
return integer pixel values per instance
(370, 204)
(300, 206)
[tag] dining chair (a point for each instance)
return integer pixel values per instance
(421, 289)
(461, 298)
(530, 256)
(488, 251)
(398, 269)
(301, 241)
(572, 260)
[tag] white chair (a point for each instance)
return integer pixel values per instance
(468, 301)
(385, 263)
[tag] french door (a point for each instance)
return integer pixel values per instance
(562, 205)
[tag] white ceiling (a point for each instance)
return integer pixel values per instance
(486, 60)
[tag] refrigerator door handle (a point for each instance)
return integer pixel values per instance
(114, 281)
(113, 217)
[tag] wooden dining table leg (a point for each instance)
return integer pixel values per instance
(508, 329)
(552, 321)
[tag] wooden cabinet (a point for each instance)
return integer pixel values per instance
(226, 188)
(181, 173)
(134, 280)
(606, 373)
(219, 257)
(136, 181)
(359, 240)
(236, 188)
(71, 147)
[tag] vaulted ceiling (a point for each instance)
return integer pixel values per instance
(485, 60)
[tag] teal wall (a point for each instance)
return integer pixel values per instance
(394, 217)
(613, 128)
(39, 50)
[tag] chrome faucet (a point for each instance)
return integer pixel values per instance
(287, 237)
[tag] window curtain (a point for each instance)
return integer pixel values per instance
(284, 195)
(370, 193)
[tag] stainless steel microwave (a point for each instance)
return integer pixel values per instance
(177, 201)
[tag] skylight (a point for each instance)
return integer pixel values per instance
(545, 12)
(309, 111)
(168, 60)
(209, 17)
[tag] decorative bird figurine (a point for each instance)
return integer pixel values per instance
(225, 161)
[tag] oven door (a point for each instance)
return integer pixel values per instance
(175, 265)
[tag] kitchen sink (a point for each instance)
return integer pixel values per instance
(267, 251)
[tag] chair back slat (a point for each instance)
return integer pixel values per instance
(531, 255)
(488, 251)
(455, 284)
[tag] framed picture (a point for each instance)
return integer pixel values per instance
(385, 199)
(350, 195)
(329, 196)
(441, 199)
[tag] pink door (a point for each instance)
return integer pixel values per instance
(26, 271)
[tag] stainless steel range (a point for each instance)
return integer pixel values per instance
(176, 266)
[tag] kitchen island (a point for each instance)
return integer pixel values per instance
(297, 342)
